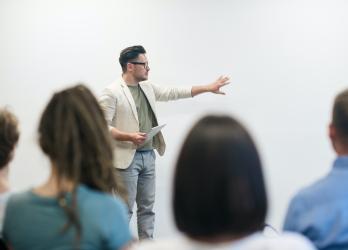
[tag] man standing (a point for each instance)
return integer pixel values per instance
(320, 211)
(129, 107)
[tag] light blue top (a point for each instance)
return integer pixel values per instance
(35, 222)
(320, 212)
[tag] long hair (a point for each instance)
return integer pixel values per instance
(74, 135)
(218, 185)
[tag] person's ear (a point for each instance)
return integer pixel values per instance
(130, 67)
(332, 132)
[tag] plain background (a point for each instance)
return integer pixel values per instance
(287, 60)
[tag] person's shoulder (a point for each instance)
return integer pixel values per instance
(312, 191)
(146, 84)
(294, 241)
(4, 196)
(113, 87)
(20, 197)
(18, 201)
(162, 244)
(285, 241)
(99, 198)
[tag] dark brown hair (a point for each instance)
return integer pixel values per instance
(129, 54)
(218, 186)
(9, 136)
(74, 135)
(340, 116)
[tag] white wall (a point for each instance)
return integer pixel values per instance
(287, 60)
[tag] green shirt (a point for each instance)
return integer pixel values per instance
(145, 114)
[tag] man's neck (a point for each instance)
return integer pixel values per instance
(342, 154)
(4, 183)
(129, 80)
(340, 148)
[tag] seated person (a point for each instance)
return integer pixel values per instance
(320, 211)
(219, 199)
(9, 136)
(74, 209)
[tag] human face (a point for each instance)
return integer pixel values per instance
(140, 68)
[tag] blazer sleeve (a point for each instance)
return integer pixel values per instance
(164, 94)
(107, 102)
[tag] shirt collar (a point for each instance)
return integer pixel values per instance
(341, 162)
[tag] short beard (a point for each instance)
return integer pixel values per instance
(141, 79)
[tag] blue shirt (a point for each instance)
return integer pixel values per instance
(35, 222)
(320, 212)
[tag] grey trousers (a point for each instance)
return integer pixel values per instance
(139, 180)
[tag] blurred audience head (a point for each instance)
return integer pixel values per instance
(74, 135)
(9, 135)
(219, 188)
(338, 130)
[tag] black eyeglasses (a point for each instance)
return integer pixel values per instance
(145, 64)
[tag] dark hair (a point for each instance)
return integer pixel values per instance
(129, 54)
(218, 186)
(340, 116)
(74, 135)
(9, 136)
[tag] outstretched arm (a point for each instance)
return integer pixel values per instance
(212, 87)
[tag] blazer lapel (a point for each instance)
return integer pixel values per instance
(130, 99)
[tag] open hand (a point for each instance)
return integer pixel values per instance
(220, 82)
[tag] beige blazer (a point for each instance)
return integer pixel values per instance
(120, 112)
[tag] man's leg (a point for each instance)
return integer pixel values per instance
(146, 196)
(130, 179)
